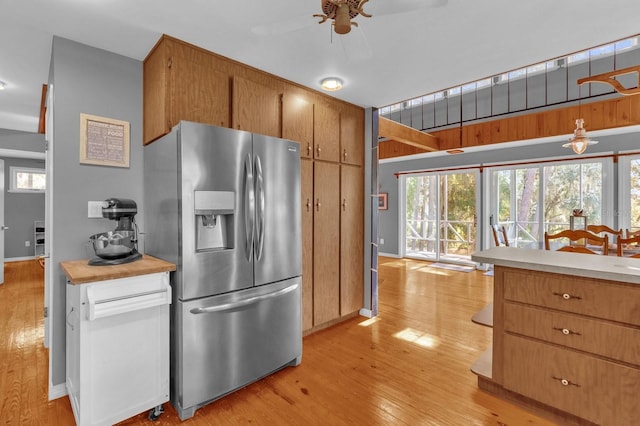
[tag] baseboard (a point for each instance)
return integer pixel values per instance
(57, 391)
(396, 256)
(19, 259)
(366, 313)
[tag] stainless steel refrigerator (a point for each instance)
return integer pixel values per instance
(224, 206)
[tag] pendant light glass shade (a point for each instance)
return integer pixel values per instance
(580, 140)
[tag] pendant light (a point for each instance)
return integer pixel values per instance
(580, 140)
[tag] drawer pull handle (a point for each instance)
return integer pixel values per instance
(565, 382)
(567, 332)
(567, 296)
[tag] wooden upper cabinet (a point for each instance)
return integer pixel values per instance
(326, 133)
(181, 84)
(352, 137)
(256, 108)
(198, 94)
(297, 123)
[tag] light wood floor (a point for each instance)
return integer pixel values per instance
(408, 366)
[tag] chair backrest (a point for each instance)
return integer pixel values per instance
(598, 229)
(629, 233)
(582, 236)
(500, 235)
(629, 244)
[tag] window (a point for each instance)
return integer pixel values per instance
(27, 180)
(531, 199)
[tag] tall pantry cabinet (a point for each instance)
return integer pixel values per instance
(185, 82)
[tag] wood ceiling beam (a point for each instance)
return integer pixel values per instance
(399, 132)
(609, 78)
(43, 110)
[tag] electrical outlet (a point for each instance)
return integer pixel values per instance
(94, 209)
(27, 243)
(381, 241)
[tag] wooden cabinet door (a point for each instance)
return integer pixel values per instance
(198, 93)
(155, 94)
(306, 184)
(351, 239)
(326, 133)
(256, 108)
(352, 137)
(326, 243)
(297, 123)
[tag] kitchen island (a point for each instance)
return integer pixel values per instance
(566, 335)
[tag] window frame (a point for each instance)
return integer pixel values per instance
(14, 170)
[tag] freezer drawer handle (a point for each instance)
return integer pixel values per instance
(239, 304)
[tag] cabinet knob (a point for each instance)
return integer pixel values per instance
(318, 204)
(318, 149)
(567, 331)
(308, 150)
(308, 204)
(345, 155)
(344, 204)
(567, 296)
(565, 382)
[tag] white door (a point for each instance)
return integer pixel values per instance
(2, 226)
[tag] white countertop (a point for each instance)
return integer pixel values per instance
(612, 268)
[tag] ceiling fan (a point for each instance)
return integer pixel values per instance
(341, 14)
(343, 11)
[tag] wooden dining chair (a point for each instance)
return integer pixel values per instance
(500, 235)
(629, 245)
(604, 229)
(578, 235)
(629, 233)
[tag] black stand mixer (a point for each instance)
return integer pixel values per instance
(120, 245)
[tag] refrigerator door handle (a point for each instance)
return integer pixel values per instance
(260, 200)
(245, 302)
(249, 207)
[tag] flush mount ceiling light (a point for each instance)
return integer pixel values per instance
(331, 84)
(2, 85)
(580, 140)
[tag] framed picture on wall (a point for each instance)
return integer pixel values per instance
(104, 141)
(382, 201)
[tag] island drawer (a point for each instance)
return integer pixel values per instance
(601, 299)
(606, 339)
(596, 390)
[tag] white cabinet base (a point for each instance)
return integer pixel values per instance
(117, 347)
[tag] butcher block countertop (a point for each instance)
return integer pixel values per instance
(80, 272)
(613, 268)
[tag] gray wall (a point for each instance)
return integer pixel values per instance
(20, 211)
(388, 219)
(97, 82)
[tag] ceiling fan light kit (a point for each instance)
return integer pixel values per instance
(342, 12)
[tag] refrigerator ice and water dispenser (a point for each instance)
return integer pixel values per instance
(214, 212)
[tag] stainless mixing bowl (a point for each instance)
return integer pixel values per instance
(113, 244)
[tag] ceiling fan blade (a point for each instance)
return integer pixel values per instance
(284, 26)
(355, 45)
(387, 7)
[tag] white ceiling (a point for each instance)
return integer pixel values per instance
(411, 53)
